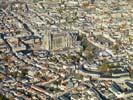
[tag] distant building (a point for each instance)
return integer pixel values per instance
(18, 6)
(55, 40)
(3, 4)
(116, 90)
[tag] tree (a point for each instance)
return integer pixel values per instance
(85, 4)
(35, 1)
(7, 59)
(57, 82)
(89, 53)
(38, 74)
(24, 73)
(130, 40)
(14, 74)
(3, 97)
(103, 68)
(51, 89)
(116, 48)
(78, 76)
(84, 42)
(11, 98)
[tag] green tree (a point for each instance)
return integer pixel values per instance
(89, 53)
(35, 1)
(84, 42)
(116, 48)
(78, 76)
(24, 73)
(103, 68)
(130, 40)
(3, 97)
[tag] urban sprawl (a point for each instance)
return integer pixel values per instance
(66, 50)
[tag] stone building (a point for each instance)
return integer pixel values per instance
(18, 6)
(59, 40)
